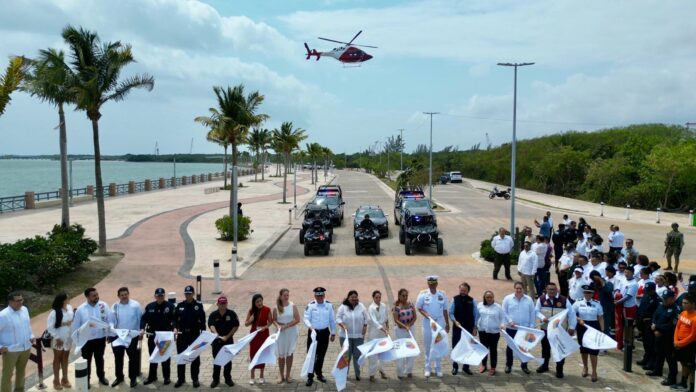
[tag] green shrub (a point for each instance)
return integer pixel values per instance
(225, 228)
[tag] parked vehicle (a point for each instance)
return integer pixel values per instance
(366, 239)
(377, 216)
(313, 212)
(419, 229)
(455, 176)
(405, 193)
(317, 238)
(498, 193)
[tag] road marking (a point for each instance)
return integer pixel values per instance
(355, 192)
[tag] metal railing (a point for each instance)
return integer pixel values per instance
(11, 203)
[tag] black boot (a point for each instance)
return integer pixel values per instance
(559, 370)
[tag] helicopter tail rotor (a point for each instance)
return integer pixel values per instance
(312, 52)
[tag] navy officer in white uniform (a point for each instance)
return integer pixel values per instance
(432, 303)
(319, 316)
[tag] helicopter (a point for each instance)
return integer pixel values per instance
(347, 54)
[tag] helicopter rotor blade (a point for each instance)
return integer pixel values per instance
(364, 46)
(333, 40)
(356, 36)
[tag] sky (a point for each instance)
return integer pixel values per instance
(598, 64)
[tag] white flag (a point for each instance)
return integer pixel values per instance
(468, 350)
(374, 347)
(596, 340)
(266, 353)
(402, 348)
(196, 348)
(124, 337)
(439, 347)
(164, 347)
(340, 370)
(86, 332)
(528, 338)
(308, 365)
(562, 345)
(519, 352)
(229, 351)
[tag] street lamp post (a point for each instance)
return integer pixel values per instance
(401, 149)
(430, 168)
(514, 143)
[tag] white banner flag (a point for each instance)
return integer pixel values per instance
(439, 347)
(340, 370)
(124, 337)
(196, 348)
(468, 350)
(308, 365)
(86, 332)
(402, 348)
(374, 347)
(562, 345)
(596, 340)
(164, 347)
(266, 353)
(528, 338)
(520, 353)
(229, 351)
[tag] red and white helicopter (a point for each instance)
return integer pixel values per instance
(348, 54)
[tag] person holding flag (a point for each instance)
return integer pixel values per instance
(93, 308)
(432, 303)
(520, 310)
(259, 318)
(158, 316)
(491, 318)
(405, 315)
(547, 306)
(190, 320)
(319, 317)
(589, 313)
(464, 314)
(379, 328)
(126, 315)
(223, 322)
(352, 318)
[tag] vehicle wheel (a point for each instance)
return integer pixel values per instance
(507, 196)
(302, 236)
(402, 236)
(377, 248)
(440, 246)
(357, 247)
(306, 250)
(407, 246)
(491, 196)
(326, 249)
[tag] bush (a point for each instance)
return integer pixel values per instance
(36, 263)
(225, 228)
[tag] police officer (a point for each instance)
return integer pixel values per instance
(366, 223)
(432, 303)
(190, 320)
(547, 306)
(589, 313)
(319, 317)
(663, 323)
(646, 310)
(225, 323)
(158, 316)
(674, 242)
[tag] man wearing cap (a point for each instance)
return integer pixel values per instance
(126, 314)
(319, 317)
(663, 323)
(674, 242)
(548, 305)
(502, 245)
(646, 311)
(432, 303)
(158, 316)
(190, 320)
(225, 323)
(575, 284)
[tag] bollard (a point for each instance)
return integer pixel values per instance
(658, 215)
(290, 216)
(81, 375)
(199, 287)
(601, 208)
(234, 262)
(691, 218)
(172, 297)
(628, 212)
(216, 273)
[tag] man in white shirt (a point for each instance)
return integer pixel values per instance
(16, 340)
(575, 284)
(521, 310)
(596, 264)
(126, 314)
(616, 239)
(629, 250)
(502, 245)
(93, 308)
(526, 268)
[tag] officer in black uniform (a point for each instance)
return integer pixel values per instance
(366, 223)
(190, 320)
(646, 310)
(224, 322)
(663, 324)
(158, 316)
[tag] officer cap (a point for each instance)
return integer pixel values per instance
(159, 291)
(319, 291)
(578, 269)
(222, 300)
(587, 288)
(189, 290)
(432, 278)
(650, 286)
(668, 294)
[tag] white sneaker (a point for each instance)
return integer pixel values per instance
(261, 381)
(439, 374)
(251, 382)
(427, 374)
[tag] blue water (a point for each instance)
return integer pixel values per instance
(20, 175)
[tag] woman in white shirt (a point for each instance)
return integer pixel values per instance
(59, 320)
(285, 317)
(492, 317)
(352, 318)
(379, 328)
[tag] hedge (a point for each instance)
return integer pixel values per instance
(224, 227)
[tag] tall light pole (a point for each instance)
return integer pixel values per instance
(514, 143)
(430, 169)
(401, 149)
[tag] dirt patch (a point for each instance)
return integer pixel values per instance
(74, 283)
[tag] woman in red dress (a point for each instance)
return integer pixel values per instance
(259, 318)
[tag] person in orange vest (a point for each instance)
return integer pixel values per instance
(685, 340)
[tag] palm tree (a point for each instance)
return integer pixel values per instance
(258, 140)
(287, 140)
(216, 135)
(265, 145)
(239, 113)
(50, 80)
(314, 150)
(326, 153)
(97, 68)
(10, 81)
